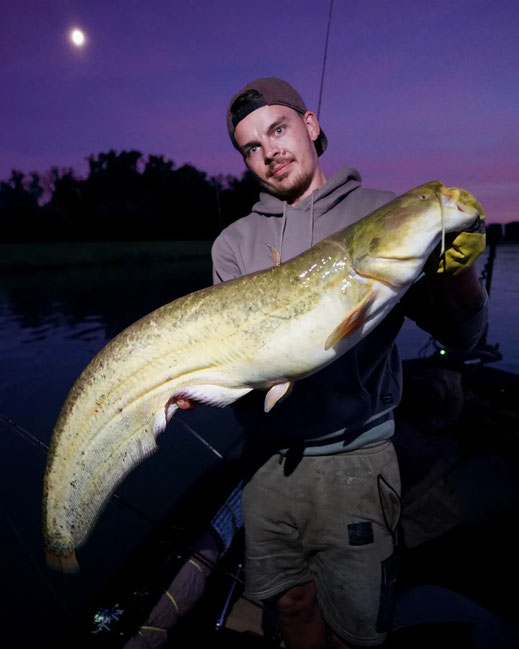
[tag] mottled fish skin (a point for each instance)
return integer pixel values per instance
(258, 331)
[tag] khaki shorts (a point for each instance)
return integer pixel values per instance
(333, 521)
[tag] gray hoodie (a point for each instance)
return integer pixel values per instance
(349, 403)
(243, 247)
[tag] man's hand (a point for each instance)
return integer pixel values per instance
(450, 296)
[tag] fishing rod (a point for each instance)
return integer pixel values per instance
(325, 56)
(119, 620)
(200, 438)
(116, 498)
(41, 446)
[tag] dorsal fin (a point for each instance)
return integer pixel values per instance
(275, 254)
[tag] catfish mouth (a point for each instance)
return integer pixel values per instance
(468, 210)
(451, 197)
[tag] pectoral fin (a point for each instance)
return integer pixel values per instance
(276, 393)
(163, 417)
(352, 321)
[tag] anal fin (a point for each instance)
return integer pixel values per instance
(276, 393)
(159, 422)
(351, 322)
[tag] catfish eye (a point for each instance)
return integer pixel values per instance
(423, 197)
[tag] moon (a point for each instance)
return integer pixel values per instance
(77, 37)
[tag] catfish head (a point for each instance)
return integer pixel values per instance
(394, 245)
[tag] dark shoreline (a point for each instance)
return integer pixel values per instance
(18, 256)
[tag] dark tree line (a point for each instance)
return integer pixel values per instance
(124, 197)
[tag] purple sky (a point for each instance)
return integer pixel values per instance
(414, 90)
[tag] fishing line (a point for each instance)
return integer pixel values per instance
(442, 216)
(442, 253)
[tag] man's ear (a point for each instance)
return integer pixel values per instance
(312, 124)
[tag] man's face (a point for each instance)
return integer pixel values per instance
(277, 144)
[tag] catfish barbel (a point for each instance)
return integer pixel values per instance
(261, 331)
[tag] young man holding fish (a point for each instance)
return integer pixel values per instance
(322, 503)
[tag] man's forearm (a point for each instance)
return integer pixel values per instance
(462, 305)
(460, 296)
(452, 309)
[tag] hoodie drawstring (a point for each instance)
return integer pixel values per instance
(284, 225)
(311, 219)
(283, 228)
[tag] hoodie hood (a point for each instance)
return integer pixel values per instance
(324, 198)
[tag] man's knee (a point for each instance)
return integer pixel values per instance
(298, 600)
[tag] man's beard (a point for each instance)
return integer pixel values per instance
(291, 192)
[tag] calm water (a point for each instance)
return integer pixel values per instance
(51, 324)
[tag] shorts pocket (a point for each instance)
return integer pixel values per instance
(390, 503)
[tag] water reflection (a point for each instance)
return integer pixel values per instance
(114, 296)
(52, 322)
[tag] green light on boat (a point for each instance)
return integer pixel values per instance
(442, 352)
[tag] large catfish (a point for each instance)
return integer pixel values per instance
(261, 331)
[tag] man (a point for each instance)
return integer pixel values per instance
(321, 505)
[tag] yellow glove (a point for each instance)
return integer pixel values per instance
(461, 248)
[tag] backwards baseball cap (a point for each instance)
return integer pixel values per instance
(268, 91)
